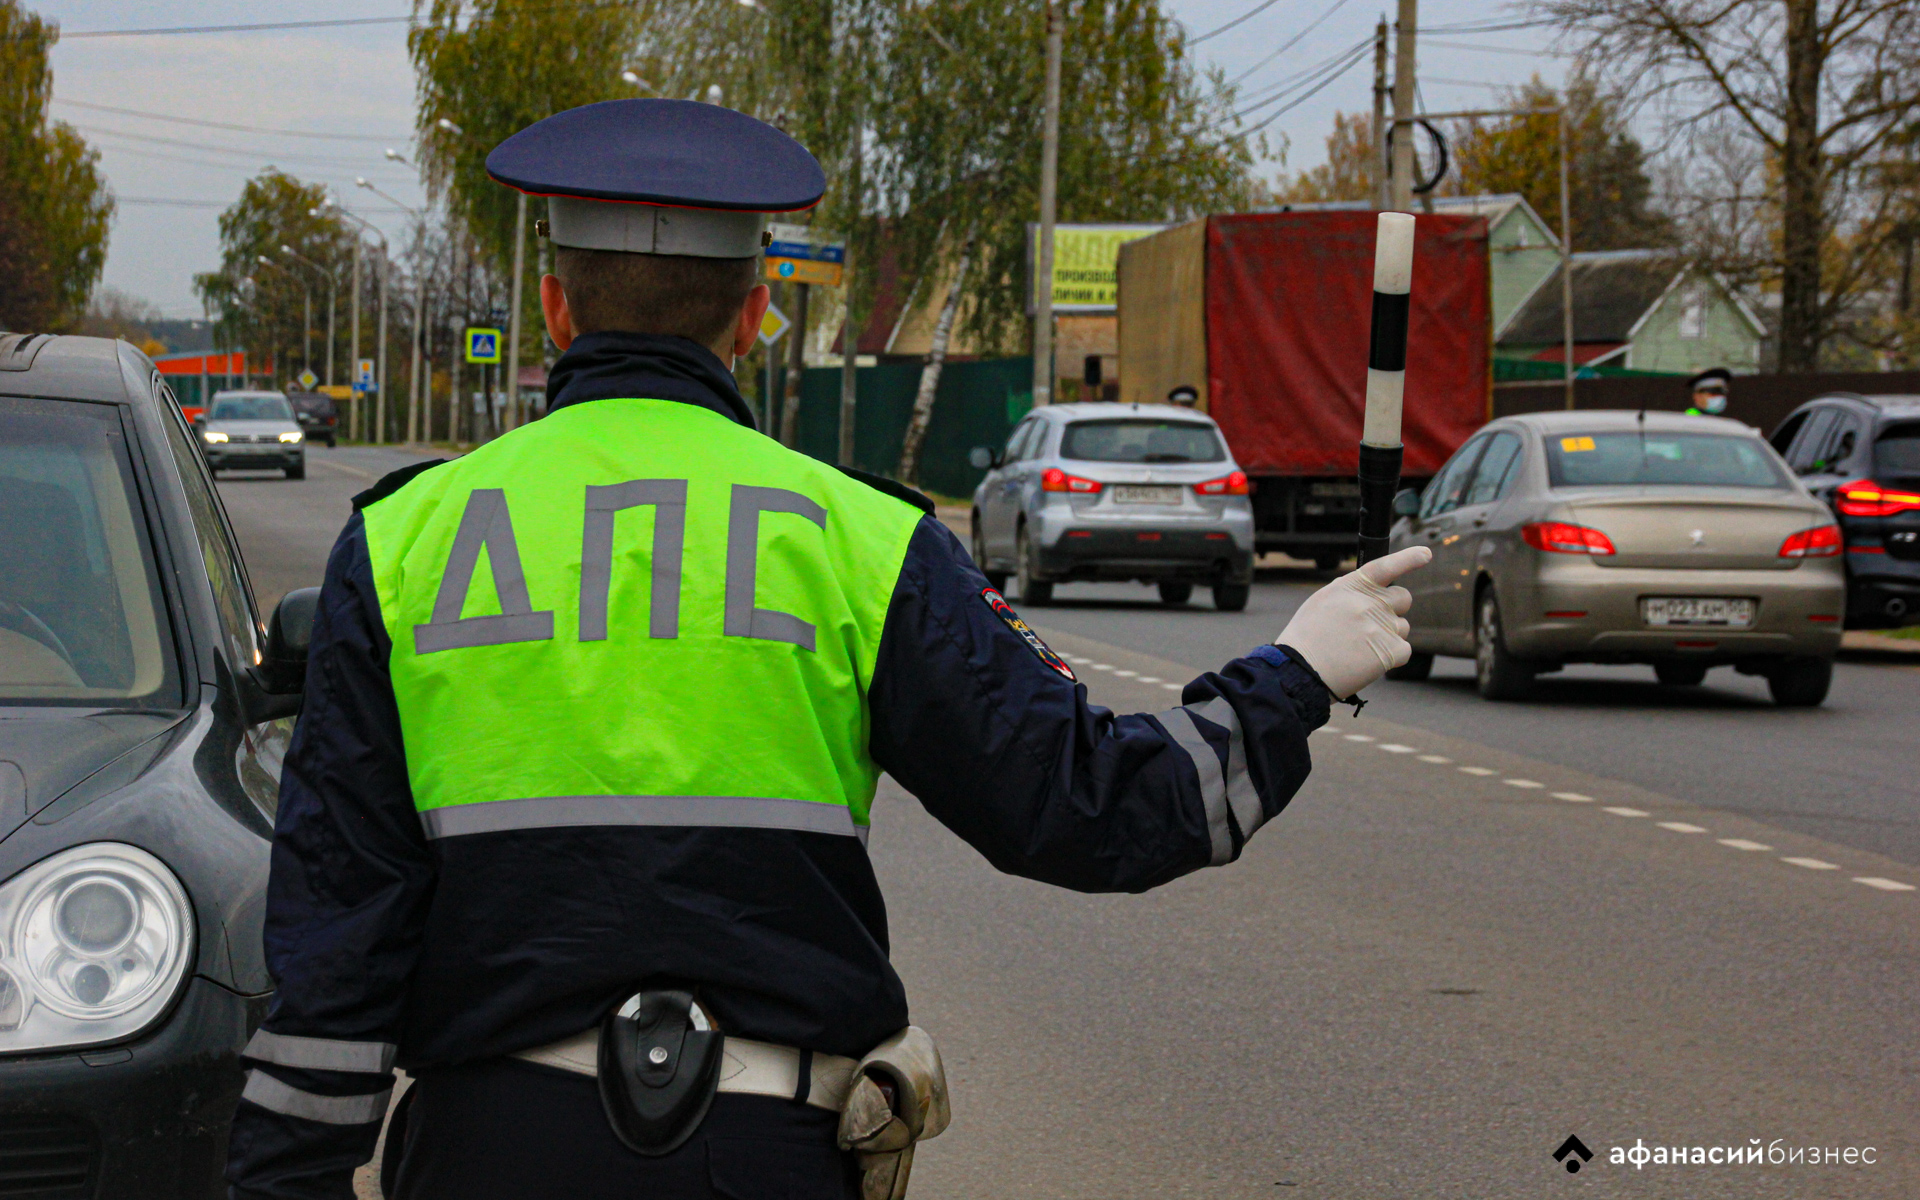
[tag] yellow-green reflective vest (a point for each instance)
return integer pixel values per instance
(636, 612)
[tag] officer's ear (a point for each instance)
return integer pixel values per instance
(553, 303)
(747, 332)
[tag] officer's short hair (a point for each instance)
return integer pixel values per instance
(698, 298)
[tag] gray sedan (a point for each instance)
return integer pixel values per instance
(253, 430)
(1620, 537)
(1141, 492)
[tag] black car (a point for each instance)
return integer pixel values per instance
(1861, 455)
(143, 718)
(318, 415)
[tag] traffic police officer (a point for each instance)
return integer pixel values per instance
(1709, 390)
(573, 827)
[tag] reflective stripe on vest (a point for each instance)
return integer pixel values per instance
(636, 613)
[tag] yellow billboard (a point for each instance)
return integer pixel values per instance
(1086, 264)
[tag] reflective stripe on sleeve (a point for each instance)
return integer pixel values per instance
(559, 812)
(274, 1096)
(1213, 787)
(1248, 813)
(321, 1054)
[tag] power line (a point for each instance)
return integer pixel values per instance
(1307, 95)
(1291, 42)
(1319, 76)
(253, 28)
(317, 160)
(1493, 49)
(299, 133)
(1251, 13)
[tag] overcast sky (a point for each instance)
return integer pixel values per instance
(357, 83)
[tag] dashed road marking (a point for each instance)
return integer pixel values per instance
(1076, 660)
(1625, 812)
(1149, 679)
(1744, 844)
(1125, 674)
(1477, 770)
(1811, 864)
(1681, 827)
(1523, 783)
(1102, 667)
(1359, 737)
(1173, 687)
(1435, 758)
(1573, 797)
(1394, 748)
(1885, 885)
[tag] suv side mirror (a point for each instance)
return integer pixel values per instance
(981, 458)
(283, 668)
(1406, 502)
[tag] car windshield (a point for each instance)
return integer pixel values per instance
(1896, 455)
(1141, 441)
(1664, 459)
(251, 408)
(80, 617)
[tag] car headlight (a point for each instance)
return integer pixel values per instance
(96, 940)
(214, 437)
(291, 437)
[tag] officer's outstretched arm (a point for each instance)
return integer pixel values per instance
(348, 894)
(1002, 746)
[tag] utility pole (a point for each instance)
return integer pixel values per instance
(789, 431)
(380, 352)
(850, 330)
(513, 415)
(1566, 261)
(359, 398)
(1403, 76)
(1382, 170)
(1049, 187)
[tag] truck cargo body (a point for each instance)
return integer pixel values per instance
(1267, 316)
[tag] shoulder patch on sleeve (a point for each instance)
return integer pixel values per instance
(892, 487)
(392, 482)
(1041, 650)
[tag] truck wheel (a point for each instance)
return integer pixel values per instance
(1033, 589)
(1680, 674)
(1497, 673)
(1800, 682)
(1418, 668)
(1231, 597)
(1175, 593)
(997, 580)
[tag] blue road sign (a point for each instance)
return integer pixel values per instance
(483, 345)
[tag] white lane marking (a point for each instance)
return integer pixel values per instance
(1477, 770)
(1395, 748)
(1573, 797)
(1102, 667)
(1149, 679)
(334, 466)
(1435, 758)
(1744, 844)
(1076, 660)
(1885, 885)
(1625, 812)
(1125, 674)
(1811, 864)
(1358, 737)
(1681, 827)
(1523, 783)
(1173, 687)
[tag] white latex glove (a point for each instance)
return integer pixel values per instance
(1354, 630)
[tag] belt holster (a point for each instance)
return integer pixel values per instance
(658, 1074)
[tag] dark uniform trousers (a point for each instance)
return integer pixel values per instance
(511, 1130)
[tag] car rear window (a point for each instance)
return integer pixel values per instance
(81, 620)
(1896, 454)
(1142, 441)
(251, 408)
(1624, 459)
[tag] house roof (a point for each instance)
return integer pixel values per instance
(1493, 206)
(1612, 291)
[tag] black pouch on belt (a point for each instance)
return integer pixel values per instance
(658, 1073)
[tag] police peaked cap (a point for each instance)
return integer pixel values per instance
(659, 177)
(1710, 376)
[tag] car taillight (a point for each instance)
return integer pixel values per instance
(1053, 479)
(1227, 485)
(1865, 498)
(1822, 541)
(1558, 537)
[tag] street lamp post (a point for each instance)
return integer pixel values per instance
(380, 348)
(1049, 187)
(306, 331)
(413, 368)
(332, 303)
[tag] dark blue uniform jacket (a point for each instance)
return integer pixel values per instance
(389, 948)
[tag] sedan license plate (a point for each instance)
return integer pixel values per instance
(1135, 493)
(1724, 611)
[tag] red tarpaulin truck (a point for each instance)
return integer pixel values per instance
(1267, 315)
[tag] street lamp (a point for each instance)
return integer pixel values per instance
(512, 415)
(413, 368)
(306, 292)
(380, 382)
(635, 80)
(332, 303)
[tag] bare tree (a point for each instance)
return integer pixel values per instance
(1821, 86)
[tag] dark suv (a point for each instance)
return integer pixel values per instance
(1861, 455)
(318, 415)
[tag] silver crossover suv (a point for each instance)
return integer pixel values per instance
(253, 430)
(1622, 537)
(1145, 492)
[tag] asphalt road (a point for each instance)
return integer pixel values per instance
(1622, 913)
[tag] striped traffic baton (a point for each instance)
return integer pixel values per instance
(1380, 445)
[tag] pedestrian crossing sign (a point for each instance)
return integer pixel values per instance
(483, 345)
